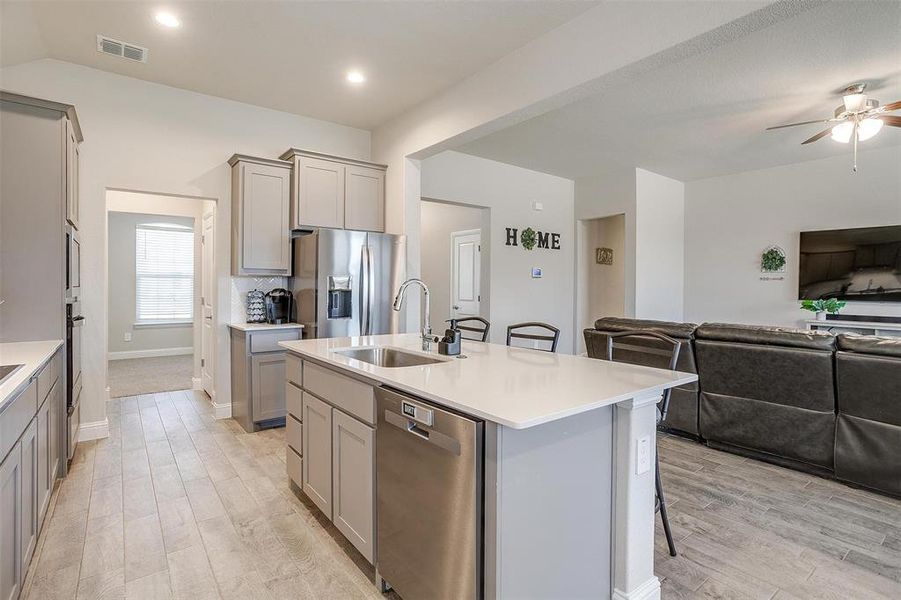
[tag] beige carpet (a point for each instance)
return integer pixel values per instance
(136, 376)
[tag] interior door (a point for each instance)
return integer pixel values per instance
(208, 277)
(466, 272)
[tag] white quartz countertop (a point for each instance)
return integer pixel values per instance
(264, 326)
(515, 387)
(31, 355)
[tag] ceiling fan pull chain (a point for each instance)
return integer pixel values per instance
(854, 170)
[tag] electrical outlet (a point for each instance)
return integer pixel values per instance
(127, 336)
(642, 455)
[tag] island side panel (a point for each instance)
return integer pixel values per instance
(548, 507)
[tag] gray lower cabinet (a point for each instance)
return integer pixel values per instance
(353, 468)
(268, 376)
(11, 524)
(29, 502)
(258, 374)
(317, 452)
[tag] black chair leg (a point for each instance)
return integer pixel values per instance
(662, 503)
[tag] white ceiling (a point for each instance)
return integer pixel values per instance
(706, 115)
(290, 56)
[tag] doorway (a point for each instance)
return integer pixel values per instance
(161, 274)
(600, 282)
(455, 260)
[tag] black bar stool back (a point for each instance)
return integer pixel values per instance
(520, 331)
(472, 328)
(650, 349)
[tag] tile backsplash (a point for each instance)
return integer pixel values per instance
(242, 285)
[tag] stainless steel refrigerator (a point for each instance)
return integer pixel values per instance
(344, 282)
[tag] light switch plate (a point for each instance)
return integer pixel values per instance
(127, 336)
(642, 455)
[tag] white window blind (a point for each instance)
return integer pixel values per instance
(164, 269)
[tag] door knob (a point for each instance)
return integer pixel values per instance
(456, 307)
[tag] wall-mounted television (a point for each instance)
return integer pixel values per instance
(861, 264)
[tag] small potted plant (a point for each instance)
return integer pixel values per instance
(821, 307)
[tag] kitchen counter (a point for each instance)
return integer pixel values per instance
(31, 355)
(264, 326)
(515, 387)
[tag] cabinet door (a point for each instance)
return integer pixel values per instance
(317, 452)
(71, 175)
(364, 199)
(353, 465)
(319, 197)
(45, 484)
(29, 525)
(266, 235)
(57, 448)
(11, 524)
(268, 384)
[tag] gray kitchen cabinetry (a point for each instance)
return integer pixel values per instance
(11, 524)
(338, 449)
(261, 232)
(258, 377)
(30, 521)
(72, 174)
(339, 193)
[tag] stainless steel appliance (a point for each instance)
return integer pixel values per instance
(278, 306)
(74, 323)
(429, 468)
(344, 282)
(73, 264)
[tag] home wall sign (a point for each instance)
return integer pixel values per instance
(530, 239)
(603, 256)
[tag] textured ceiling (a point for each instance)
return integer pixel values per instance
(290, 56)
(705, 115)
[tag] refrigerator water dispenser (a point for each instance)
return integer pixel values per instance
(339, 297)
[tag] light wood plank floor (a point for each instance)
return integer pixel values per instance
(175, 504)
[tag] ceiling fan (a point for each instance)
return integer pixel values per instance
(857, 119)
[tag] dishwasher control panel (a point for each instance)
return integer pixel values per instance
(417, 412)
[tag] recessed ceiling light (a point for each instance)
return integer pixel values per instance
(167, 19)
(355, 77)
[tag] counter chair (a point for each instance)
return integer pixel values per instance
(515, 331)
(476, 327)
(651, 349)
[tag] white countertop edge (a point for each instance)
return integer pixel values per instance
(348, 367)
(264, 326)
(32, 356)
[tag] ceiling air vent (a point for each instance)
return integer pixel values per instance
(121, 49)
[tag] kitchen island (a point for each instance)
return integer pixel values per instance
(566, 464)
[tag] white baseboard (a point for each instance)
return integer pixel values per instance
(649, 590)
(93, 431)
(196, 383)
(150, 353)
(221, 411)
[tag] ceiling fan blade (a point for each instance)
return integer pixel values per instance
(796, 124)
(892, 106)
(821, 134)
(892, 120)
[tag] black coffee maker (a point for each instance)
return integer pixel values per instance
(278, 306)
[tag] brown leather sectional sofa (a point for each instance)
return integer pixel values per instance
(829, 405)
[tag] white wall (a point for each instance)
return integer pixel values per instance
(122, 293)
(659, 246)
(153, 138)
(508, 192)
(438, 221)
(730, 220)
(606, 283)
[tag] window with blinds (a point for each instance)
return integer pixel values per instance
(164, 269)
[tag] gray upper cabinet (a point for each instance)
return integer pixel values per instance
(72, 159)
(11, 524)
(261, 232)
(335, 192)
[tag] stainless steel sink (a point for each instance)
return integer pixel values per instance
(7, 370)
(388, 357)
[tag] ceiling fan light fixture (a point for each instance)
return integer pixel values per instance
(868, 128)
(842, 132)
(855, 102)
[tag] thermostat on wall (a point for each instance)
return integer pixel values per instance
(536, 272)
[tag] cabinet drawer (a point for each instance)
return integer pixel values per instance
(16, 417)
(352, 396)
(295, 466)
(294, 402)
(45, 382)
(294, 434)
(294, 369)
(56, 367)
(267, 341)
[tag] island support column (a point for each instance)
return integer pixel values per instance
(635, 428)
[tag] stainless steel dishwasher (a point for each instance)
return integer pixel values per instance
(429, 464)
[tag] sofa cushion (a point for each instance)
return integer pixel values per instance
(866, 453)
(674, 330)
(869, 344)
(869, 387)
(766, 336)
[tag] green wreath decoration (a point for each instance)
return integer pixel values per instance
(528, 239)
(772, 260)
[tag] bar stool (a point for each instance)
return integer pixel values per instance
(646, 348)
(477, 326)
(512, 332)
